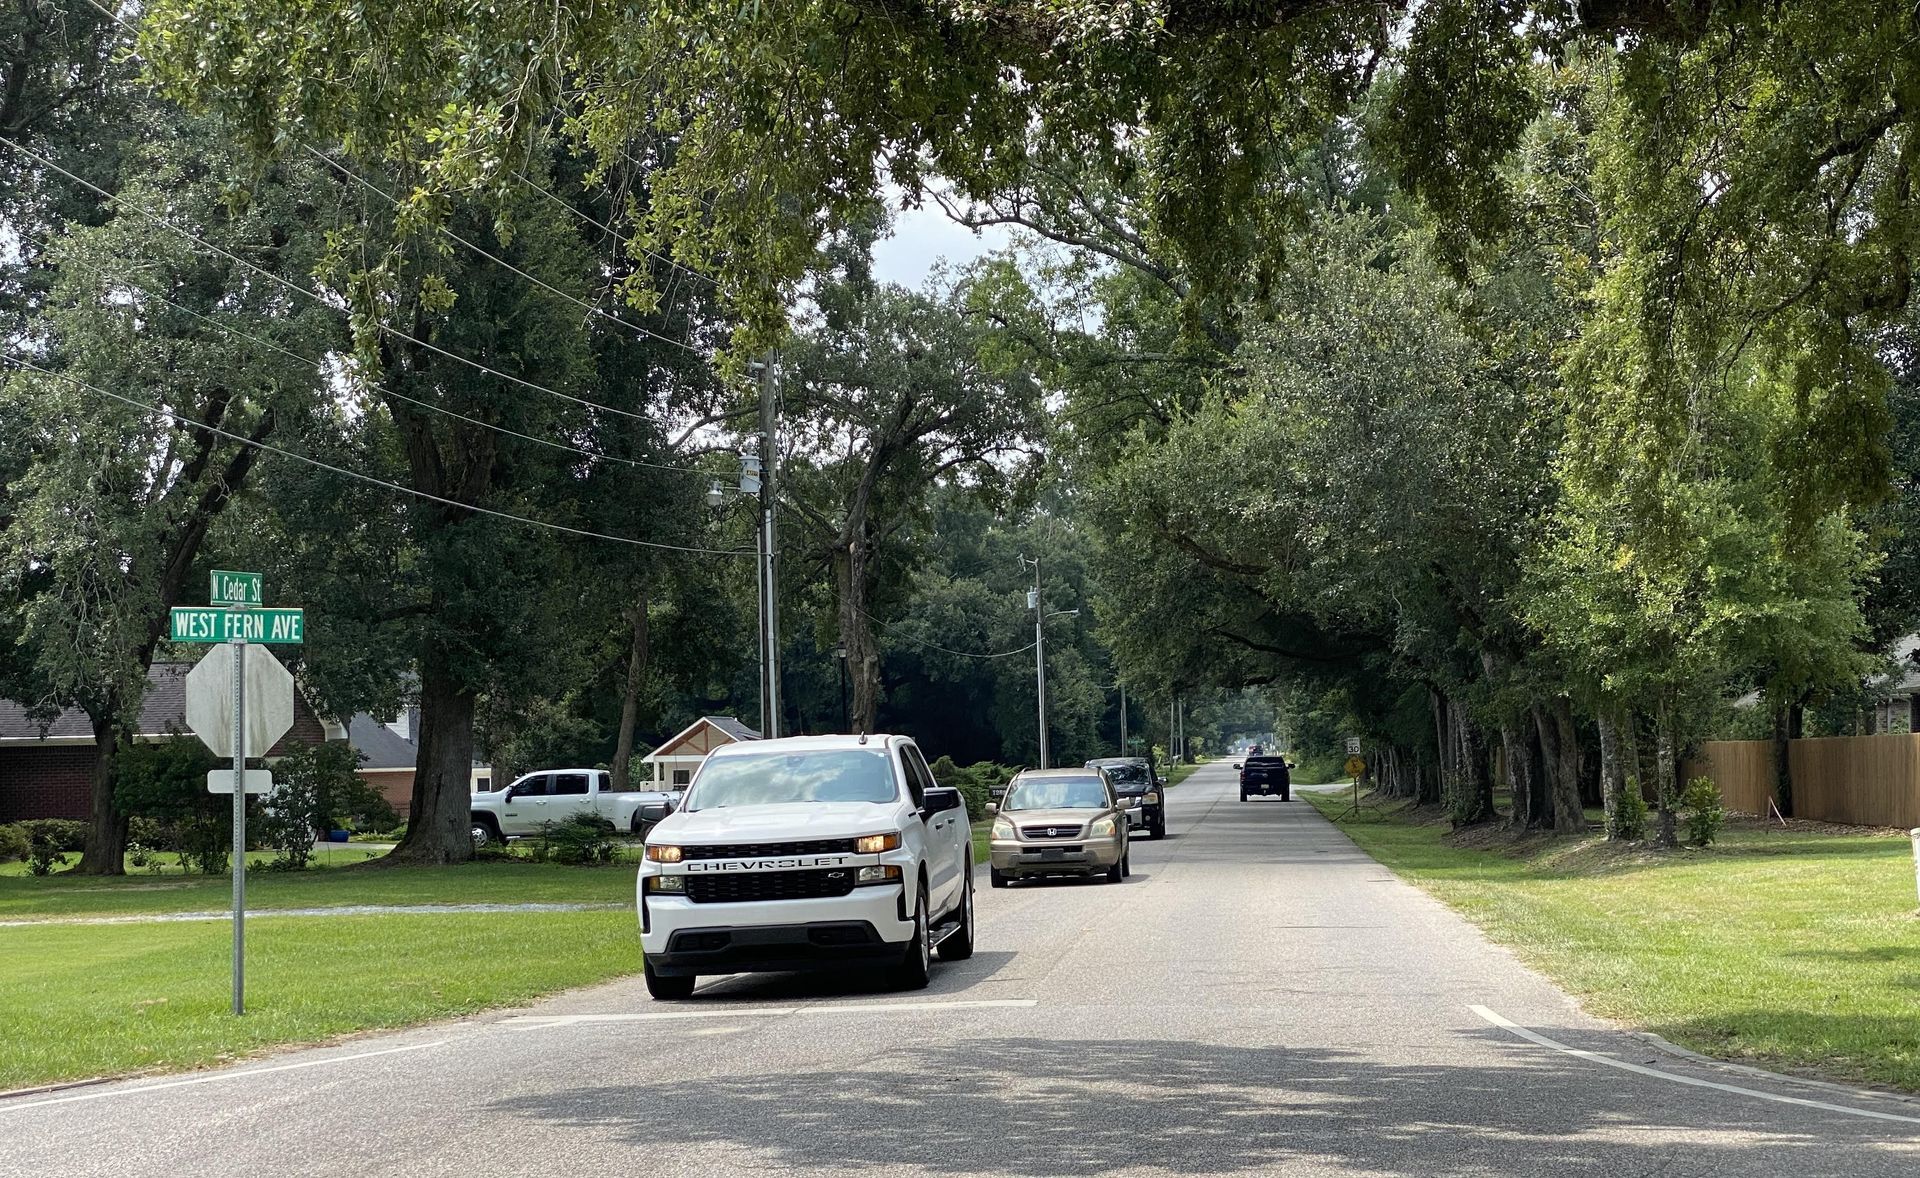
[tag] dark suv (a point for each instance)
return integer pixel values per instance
(1266, 776)
(1139, 789)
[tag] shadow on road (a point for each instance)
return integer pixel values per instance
(949, 979)
(1041, 1107)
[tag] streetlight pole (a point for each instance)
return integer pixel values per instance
(1039, 657)
(769, 583)
(1123, 719)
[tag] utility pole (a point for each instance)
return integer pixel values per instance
(1123, 719)
(769, 582)
(1039, 656)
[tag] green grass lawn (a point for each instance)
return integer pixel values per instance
(25, 897)
(89, 1000)
(1181, 772)
(1796, 950)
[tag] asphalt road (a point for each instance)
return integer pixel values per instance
(1259, 998)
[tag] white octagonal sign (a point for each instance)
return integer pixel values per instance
(210, 700)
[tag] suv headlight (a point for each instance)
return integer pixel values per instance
(1151, 799)
(661, 853)
(1102, 828)
(1002, 829)
(874, 844)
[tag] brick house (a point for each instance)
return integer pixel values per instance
(44, 768)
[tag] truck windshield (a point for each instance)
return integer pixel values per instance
(1126, 774)
(822, 775)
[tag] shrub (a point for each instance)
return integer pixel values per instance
(316, 787)
(13, 843)
(578, 840)
(49, 840)
(1630, 815)
(1702, 810)
(162, 788)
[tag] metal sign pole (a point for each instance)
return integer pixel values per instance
(239, 824)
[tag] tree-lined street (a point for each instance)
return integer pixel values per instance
(1259, 998)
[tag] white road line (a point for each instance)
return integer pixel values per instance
(536, 1021)
(1691, 1081)
(103, 1094)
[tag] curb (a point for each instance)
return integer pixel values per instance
(1850, 1090)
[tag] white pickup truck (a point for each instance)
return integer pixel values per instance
(554, 795)
(807, 853)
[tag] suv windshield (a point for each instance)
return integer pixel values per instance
(1056, 793)
(1124, 775)
(817, 775)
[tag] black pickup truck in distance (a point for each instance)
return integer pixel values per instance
(1266, 777)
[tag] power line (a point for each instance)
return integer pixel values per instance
(307, 294)
(585, 218)
(383, 194)
(180, 419)
(428, 405)
(395, 202)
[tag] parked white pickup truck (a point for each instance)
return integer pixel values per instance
(807, 853)
(554, 795)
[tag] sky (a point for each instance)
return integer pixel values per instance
(924, 235)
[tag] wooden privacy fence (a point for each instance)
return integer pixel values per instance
(1863, 780)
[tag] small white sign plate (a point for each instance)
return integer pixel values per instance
(220, 781)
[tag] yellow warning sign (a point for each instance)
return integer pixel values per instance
(1355, 766)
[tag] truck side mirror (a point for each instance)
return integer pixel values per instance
(1238, 765)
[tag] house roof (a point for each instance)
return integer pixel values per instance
(163, 711)
(379, 746)
(727, 727)
(732, 726)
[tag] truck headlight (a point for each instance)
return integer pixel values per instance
(884, 874)
(875, 844)
(1151, 799)
(667, 884)
(1002, 829)
(1102, 828)
(662, 854)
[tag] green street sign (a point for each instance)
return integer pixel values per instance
(230, 588)
(214, 624)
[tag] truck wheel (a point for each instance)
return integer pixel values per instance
(668, 989)
(997, 878)
(1158, 830)
(916, 967)
(1243, 795)
(485, 833)
(959, 945)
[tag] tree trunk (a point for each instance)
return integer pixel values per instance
(856, 634)
(1521, 772)
(438, 822)
(1569, 816)
(619, 776)
(106, 846)
(1613, 772)
(1787, 721)
(1667, 833)
(1472, 801)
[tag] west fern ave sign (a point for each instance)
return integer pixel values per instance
(286, 627)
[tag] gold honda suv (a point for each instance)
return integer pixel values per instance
(1059, 822)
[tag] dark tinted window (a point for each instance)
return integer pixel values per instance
(569, 783)
(919, 777)
(532, 787)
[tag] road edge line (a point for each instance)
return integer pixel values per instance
(1505, 1024)
(214, 1077)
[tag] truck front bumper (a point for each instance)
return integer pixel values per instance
(681, 937)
